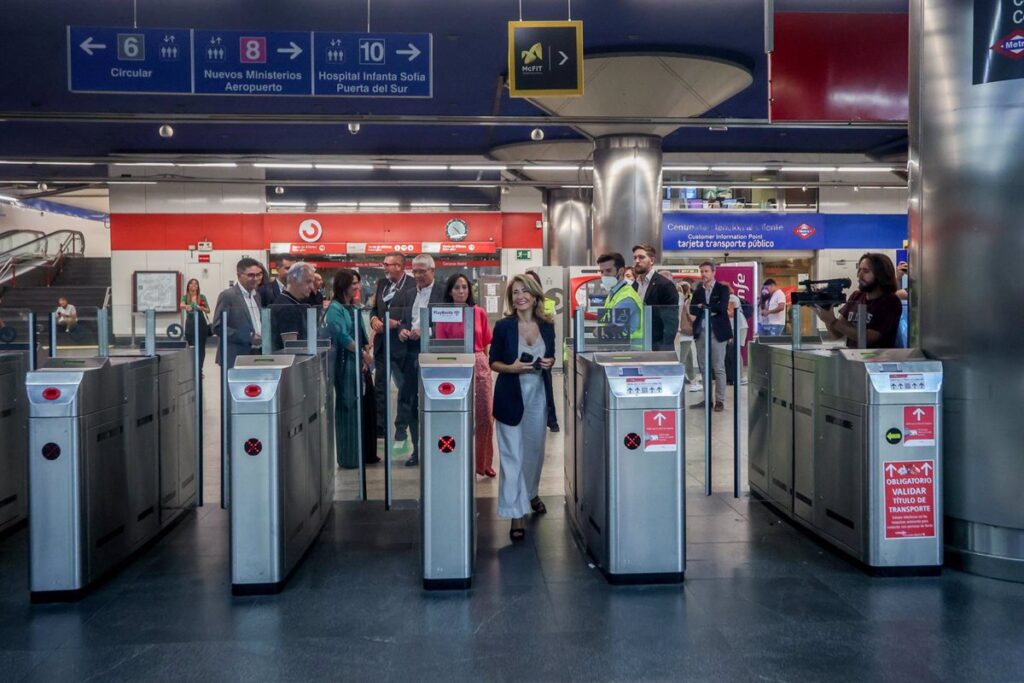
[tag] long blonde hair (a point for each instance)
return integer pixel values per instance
(533, 288)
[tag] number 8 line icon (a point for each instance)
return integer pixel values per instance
(252, 50)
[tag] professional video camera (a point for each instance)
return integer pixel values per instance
(822, 293)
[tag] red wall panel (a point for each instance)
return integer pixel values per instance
(257, 231)
(840, 67)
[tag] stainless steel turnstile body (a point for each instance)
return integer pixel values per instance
(93, 468)
(630, 464)
(13, 439)
(447, 496)
(177, 409)
(279, 452)
(851, 449)
(572, 435)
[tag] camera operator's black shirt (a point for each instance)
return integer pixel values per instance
(883, 317)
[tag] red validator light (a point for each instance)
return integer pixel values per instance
(446, 388)
(253, 390)
(253, 447)
(51, 393)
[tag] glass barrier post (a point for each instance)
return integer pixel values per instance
(357, 320)
(311, 335)
(387, 410)
(103, 333)
(197, 380)
(468, 319)
(53, 335)
(32, 342)
(708, 375)
(647, 323)
(798, 335)
(862, 326)
(266, 327)
(150, 332)
(225, 465)
(737, 384)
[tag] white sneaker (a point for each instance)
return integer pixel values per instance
(694, 386)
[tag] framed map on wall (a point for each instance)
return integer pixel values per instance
(159, 290)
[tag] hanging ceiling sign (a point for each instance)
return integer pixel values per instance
(545, 58)
(264, 63)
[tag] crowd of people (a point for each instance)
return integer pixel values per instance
(512, 381)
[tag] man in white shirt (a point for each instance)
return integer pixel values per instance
(773, 313)
(67, 314)
(241, 302)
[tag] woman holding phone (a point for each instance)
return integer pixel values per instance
(523, 345)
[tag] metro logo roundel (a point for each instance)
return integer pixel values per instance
(1011, 46)
(310, 230)
(804, 231)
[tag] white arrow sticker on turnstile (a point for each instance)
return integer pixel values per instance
(659, 430)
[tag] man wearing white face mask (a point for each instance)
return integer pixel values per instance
(621, 296)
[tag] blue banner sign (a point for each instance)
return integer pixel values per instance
(373, 64)
(253, 63)
(684, 231)
(129, 60)
(214, 62)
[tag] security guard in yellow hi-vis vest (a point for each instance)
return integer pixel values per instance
(621, 297)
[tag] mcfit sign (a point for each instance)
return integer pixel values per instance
(998, 40)
(545, 58)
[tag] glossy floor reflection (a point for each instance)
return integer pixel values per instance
(761, 601)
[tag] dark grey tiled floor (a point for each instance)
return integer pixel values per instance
(761, 601)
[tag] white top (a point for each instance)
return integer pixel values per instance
(422, 301)
(250, 305)
(642, 283)
(68, 311)
(779, 318)
(735, 302)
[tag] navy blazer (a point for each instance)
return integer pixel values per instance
(508, 394)
(721, 327)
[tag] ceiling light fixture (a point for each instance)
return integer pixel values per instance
(349, 204)
(209, 164)
(539, 167)
(281, 165)
(479, 168)
(344, 167)
(286, 203)
(738, 169)
(694, 169)
(429, 204)
(865, 169)
(143, 163)
(378, 204)
(165, 131)
(48, 163)
(418, 167)
(8, 198)
(808, 169)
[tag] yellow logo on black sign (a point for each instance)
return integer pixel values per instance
(533, 54)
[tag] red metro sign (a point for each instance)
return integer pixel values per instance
(1011, 45)
(804, 231)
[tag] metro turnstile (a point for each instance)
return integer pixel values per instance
(281, 444)
(109, 440)
(13, 440)
(850, 448)
(630, 467)
(448, 501)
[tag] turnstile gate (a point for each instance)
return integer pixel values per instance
(847, 443)
(101, 459)
(630, 468)
(281, 446)
(14, 439)
(448, 501)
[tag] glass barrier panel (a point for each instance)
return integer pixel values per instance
(618, 328)
(14, 329)
(77, 330)
(449, 327)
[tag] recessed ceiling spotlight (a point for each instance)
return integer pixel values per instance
(166, 131)
(278, 190)
(42, 187)
(353, 128)
(536, 135)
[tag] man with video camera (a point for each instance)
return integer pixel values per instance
(876, 280)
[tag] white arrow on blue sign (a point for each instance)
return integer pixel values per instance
(373, 64)
(129, 60)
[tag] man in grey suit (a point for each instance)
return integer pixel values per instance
(242, 304)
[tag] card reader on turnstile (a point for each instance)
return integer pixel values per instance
(632, 483)
(448, 514)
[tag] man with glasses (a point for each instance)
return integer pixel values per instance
(395, 294)
(242, 304)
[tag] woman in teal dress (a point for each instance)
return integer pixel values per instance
(353, 356)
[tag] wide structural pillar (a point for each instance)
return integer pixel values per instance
(966, 204)
(568, 215)
(627, 193)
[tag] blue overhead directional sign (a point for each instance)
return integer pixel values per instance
(129, 60)
(373, 64)
(252, 63)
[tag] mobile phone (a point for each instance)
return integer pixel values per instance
(526, 358)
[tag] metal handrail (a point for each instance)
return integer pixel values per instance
(73, 238)
(71, 242)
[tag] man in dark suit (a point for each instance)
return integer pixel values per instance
(288, 314)
(275, 288)
(713, 296)
(661, 293)
(395, 294)
(242, 304)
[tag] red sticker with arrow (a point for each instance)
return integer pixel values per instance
(918, 425)
(909, 499)
(660, 430)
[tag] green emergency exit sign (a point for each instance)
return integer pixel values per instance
(523, 255)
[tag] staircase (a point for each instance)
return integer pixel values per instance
(84, 281)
